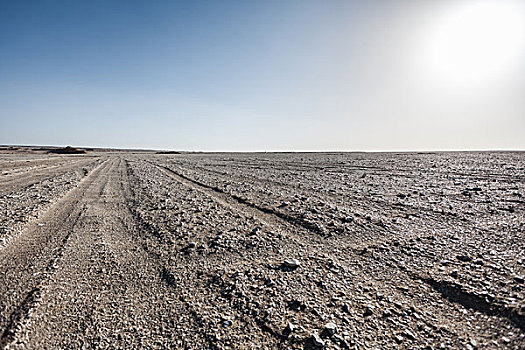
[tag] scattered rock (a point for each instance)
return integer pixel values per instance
(464, 258)
(346, 307)
(331, 328)
(409, 335)
(317, 341)
(369, 310)
(291, 263)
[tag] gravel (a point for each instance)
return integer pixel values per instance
(227, 251)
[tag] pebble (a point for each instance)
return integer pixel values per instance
(409, 335)
(369, 311)
(317, 341)
(291, 263)
(346, 308)
(331, 328)
(464, 258)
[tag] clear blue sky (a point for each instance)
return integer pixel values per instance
(263, 75)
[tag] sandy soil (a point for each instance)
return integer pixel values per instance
(240, 251)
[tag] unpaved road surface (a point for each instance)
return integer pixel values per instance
(281, 251)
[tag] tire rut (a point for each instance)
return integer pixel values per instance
(166, 276)
(30, 302)
(453, 293)
(105, 282)
(31, 258)
(47, 208)
(23, 181)
(267, 215)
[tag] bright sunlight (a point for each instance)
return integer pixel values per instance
(477, 42)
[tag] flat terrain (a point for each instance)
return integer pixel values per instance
(121, 250)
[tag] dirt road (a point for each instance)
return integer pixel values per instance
(124, 250)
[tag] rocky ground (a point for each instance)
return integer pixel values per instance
(241, 251)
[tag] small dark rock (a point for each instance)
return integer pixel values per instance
(330, 328)
(346, 308)
(409, 335)
(317, 341)
(291, 263)
(464, 258)
(369, 311)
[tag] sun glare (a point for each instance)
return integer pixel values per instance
(477, 42)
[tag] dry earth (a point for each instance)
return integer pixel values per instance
(240, 251)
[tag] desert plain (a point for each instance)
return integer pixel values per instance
(129, 250)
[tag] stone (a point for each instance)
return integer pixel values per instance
(409, 335)
(369, 310)
(292, 263)
(331, 328)
(317, 341)
(346, 308)
(464, 258)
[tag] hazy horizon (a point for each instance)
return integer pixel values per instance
(264, 76)
(268, 151)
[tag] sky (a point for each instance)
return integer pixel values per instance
(264, 75)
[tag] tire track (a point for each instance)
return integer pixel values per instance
(23, 181)
(267, 215)
(451, 293)
(105, 282)
(32, 256)
(171, 280)
(167, 277)
(314, 244)
(13, 167)
(43, 210)
(348, 204)
(23, 311)
(282, 222)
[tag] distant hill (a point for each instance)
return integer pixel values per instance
(68, 150)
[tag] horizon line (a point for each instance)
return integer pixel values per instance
(442, 150)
